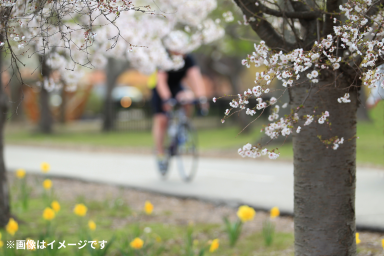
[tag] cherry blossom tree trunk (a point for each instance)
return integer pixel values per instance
(46, 120)
(325, 179)
(4, 194)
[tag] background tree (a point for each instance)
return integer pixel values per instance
(29, 28)
(323, 53)
(4, 105)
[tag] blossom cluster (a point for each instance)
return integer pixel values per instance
(89, 32)
(344, 99)
(323, 118)
(249, 151)
(337, 142)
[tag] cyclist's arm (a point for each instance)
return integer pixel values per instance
(195, 79)
(162, 86)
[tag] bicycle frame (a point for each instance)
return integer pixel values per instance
(182, 141)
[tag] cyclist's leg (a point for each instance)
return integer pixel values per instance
(160, 122)
(159, 128)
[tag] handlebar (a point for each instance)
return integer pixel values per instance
(175, 103)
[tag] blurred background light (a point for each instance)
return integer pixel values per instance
(126, 102)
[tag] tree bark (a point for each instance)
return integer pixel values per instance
(114, 69)
(325, 179)
(4, 192)
(16, 98)
(63, 105)
(46, 120)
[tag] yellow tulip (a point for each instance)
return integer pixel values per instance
(12, 226)
(137, 243)
(275, 212)
(91, 225)
(1, 243)
(382, 243)
(214, 245)
(357, 238)
(246, 213)
(80, 210)
(45, 167)
(96, 243)
(47, 184)
(29, 241)
(148, 208)
(20, 173)
(48, 214)
(55, 206)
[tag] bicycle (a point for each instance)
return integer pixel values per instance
(181, 143)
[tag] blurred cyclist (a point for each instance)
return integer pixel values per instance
(169, 87)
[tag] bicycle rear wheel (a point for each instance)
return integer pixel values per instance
(187, 155)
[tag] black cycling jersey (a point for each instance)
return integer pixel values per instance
(176, 76)
(174, 82)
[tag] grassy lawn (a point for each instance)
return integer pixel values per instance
(370, 145)
(208, 139)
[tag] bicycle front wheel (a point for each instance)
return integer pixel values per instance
(187, 155)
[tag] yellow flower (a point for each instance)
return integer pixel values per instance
(91, 225)
(382, 243)
(148, 208)
(20, 173)
(1, 243)
(12, 226)
(96, 243)
(29, 241)
(48, 214)
(214, 245)
(47, 184)
(45, 167)
(80, 210)
(246, 213)
(55, 206)
(357, 238)
(158, 239)
(274, 212)
(137, 243)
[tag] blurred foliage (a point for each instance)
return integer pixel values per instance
(94, 105)
(238, 40)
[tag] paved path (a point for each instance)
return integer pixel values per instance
(263, 184)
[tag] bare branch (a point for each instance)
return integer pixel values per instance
(262, 27)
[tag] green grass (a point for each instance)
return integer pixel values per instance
(117, 222)
(225, 138)
(370, 145)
